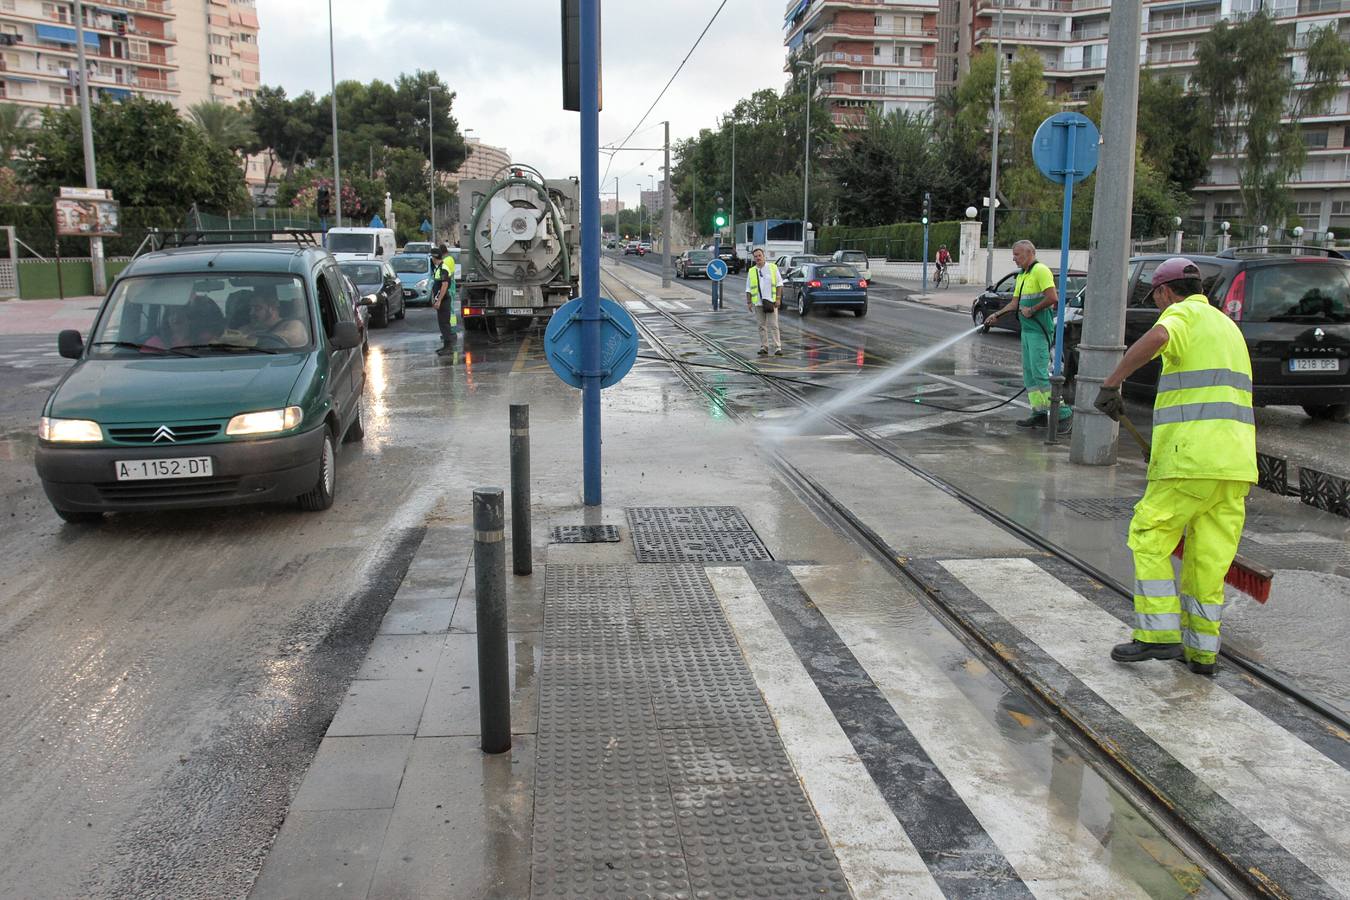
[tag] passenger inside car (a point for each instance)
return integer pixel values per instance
(266, 321)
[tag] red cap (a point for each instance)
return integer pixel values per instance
(1175, 269)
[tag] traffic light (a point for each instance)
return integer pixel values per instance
(927, 207)
(720, 220)
(323, 203)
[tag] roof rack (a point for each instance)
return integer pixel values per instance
(157, 239)
(1232, 252)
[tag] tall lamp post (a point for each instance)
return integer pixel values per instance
(87, 129)
(640, 211)
(998, 124)
(332, 80)
(809, 65)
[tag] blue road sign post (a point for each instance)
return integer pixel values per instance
(425, 227)
(717, 270)
(1065, 151)
(564, 343)
(590, 313)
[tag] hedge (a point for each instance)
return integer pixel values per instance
(901, 242)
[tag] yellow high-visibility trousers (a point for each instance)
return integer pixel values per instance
(1210, 515)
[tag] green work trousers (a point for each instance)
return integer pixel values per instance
(1037, 336)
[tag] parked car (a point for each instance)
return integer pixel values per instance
(646, 247)
(418, 247)
(380, 290)
(998, 296)
(791, 262)
(855, 258)
(1293, 306)
(633, 248)
(726, 252)
(212, 376)
(414, 272)
(693, 264)
(829, 285)
(360, 312)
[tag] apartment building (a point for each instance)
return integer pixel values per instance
(179, 51)
(483, 161)
(1071, 38)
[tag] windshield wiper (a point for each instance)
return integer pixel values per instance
(132, 345)
(215, 345)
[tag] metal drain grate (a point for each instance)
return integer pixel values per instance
(1325, 491)
(584, 534)
(1101, 508)
(701, 534)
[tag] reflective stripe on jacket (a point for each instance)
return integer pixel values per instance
(1203, 425)
(752, 282)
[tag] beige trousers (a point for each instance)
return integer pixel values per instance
(768, 324)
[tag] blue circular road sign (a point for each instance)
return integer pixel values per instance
(618, 342)
(1053, 144)
(717, 269)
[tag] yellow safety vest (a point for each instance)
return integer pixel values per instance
(1203, 425)
(752, 282)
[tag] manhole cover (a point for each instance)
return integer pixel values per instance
(1101, 508)
(674, 534)
(584, 534)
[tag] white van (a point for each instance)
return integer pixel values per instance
(360, 243)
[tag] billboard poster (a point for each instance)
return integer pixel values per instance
(87, 218)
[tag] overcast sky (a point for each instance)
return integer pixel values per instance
(503, 61)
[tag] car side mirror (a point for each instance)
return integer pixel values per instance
(69, 344)
(367, 300)
(379, 251)
(345, 336)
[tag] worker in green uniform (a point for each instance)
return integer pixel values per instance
(443, 298)
(1034, 296)
(1201, 466)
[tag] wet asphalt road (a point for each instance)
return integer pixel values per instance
(166, 678)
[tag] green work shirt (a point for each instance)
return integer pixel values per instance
(1030, 289)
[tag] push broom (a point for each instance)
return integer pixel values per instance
(1252, 578)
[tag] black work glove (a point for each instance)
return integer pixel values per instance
(1109, 404)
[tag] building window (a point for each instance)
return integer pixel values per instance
(1228, 210)
(1308, 209)
(1316, 140)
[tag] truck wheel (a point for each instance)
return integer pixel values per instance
(320, 497)
(78, 518)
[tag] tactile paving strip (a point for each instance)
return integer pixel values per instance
(659, 770)
(584, 534)
(1101, 508)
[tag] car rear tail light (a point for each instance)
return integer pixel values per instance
(813, 284)
(471, 311)
(862, 283)
(1236, 302)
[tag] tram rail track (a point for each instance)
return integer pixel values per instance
(1234, 876)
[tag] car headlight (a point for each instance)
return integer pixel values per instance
(265, 422)
(422, 285)
(69, 431)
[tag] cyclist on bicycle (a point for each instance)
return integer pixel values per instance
(944, 259)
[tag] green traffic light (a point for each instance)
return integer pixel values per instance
(720, 221)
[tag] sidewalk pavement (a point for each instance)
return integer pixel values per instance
(47, 316)
(958, 297)
(733, 699)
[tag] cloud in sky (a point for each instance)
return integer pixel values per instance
(503, 62)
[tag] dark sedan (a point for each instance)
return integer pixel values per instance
(995, 298)
(380, 289)
(827, 285)
(693, 264)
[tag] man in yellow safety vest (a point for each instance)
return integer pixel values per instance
(443, 298)
(763, 296)
(1202, 465)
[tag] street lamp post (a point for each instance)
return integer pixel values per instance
(640, 211)
(332, 79)
(806, 160)
(993, 159)
(87, 129)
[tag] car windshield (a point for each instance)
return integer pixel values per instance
(1298, 292)
(418, 247)
(853, 256)
(362, 273)
(197, 315)
(836, 272)
(405, 265)
(700, 256)
(340, 242)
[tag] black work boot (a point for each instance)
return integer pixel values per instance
(1138, 651)
(1201, 668)
(446, 350)
(1035, 420)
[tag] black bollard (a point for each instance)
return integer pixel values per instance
(521, 551)
(489, 575)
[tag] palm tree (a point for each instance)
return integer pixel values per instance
(16, 129)
(228, 126)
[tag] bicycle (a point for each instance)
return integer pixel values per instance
(942, 279)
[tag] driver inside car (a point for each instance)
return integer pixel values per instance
(265, 321)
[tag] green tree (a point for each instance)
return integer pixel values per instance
(883, 171)
(147, 154)
(223, 124)
(16, 129)
(1023, 106)
(290, 128)
(1175, 131)
(1257, 105)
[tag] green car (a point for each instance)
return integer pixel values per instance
(213, 376)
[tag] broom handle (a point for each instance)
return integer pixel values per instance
(1134, 433)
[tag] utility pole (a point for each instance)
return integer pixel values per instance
(806, 164)
(431, 157)
(666, 220)
(733, 183)
(998, 125)
(332, 80)
(1094, 435)
(90, 172)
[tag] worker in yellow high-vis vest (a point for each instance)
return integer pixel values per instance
(1201, 467)
(443, 298)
